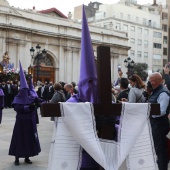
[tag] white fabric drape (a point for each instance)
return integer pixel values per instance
(76, 129)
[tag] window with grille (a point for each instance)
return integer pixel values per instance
(164, 51)
(165, 40)
(40, 60)
(156, 45)
(164, 27)
(145, 54)
(139, 54)
(145, 43)
(157, 34)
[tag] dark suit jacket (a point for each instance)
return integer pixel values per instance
(45, 93)
(50, 93)
(123, 94)
(5, 89)
(39, 92)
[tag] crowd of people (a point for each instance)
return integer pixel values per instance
(25, 97)
(44, 90)
(132, 89)
(10, 90)
(155, 90)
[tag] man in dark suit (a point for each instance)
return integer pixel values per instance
(124, 89)
(46, 91)
(15, 88)
(50, 91)
(40, 91)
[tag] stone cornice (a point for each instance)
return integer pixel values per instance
(53, 22)
(16, 41)
(59, 35)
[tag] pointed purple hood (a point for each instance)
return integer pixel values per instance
(87, 84)
(31, 87)
(24, 96)
(23, 82)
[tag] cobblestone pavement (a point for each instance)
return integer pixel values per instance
(40, 162)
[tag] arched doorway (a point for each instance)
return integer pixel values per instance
(43, 68)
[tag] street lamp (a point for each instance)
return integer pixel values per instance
(30, 70)
(38, 56)
(129, 64)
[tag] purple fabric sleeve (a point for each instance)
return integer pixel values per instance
(26, 108)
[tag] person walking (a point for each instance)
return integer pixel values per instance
(14, 89)
(25, 141)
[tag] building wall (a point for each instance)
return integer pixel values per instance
(22, 29)
(90, 10)
(123, 18)
(165, 22)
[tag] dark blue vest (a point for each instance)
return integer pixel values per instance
(155, 94)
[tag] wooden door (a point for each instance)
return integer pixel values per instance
(44, 74)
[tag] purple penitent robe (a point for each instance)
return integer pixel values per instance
(87, 85)
(1, 103)
(24, 142)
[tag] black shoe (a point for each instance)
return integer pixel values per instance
(28, 161)
(16, 162)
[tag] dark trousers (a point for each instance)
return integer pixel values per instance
(9, 99)
(160, 128)
(5, 100)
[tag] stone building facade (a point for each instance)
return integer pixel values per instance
(22, 29)
(146, 27)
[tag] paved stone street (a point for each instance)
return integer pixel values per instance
(40, 162)
(45, 130)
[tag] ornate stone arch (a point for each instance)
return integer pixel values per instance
(46, 71)
(48, 60)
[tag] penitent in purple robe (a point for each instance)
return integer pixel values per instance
(87, 85)
(25, 141)
(1, 103)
